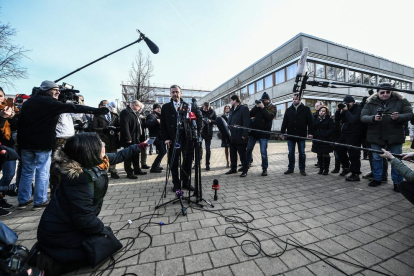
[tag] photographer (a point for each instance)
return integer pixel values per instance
(153, 124)
(37, 136)
(81, 121)
(385, 113)
(209, 118)
(263, 114)
(352, 132)
(108, 127)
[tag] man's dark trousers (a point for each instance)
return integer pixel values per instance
(350, 158)
(134, 161)
(241, 149)
(186, 150)
(161, 152)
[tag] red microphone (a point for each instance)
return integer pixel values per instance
(215, 187)
(193, 118)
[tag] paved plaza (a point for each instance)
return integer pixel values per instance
(373, 227)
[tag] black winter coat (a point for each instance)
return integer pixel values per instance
(100, 126)
(298, 122)
(38, 118)
(130, 127)
(350, 121)
(239, 116)
(263, 119)
(153, 125)
(72, 214)
(207, 130)
(169, 120)
(323, 130)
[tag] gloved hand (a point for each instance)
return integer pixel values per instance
(101, 111)
(142, 146)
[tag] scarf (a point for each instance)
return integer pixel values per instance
(6, 130)
(105, 164)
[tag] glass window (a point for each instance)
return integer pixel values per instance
(408, 86)
(373, 80)
(268, 81)
(166, 99)
(280, 76)
(251, 89)
(291, 71)
(330, 72)
(403, 85)
(280, 110)
(259, 85)
(243, 92)
(366, 79)
(320, 71)
(340, 74)
(392, 82)
(351, 76)
(311, 68)
(217, 103)
(159, 99)
(358, 77)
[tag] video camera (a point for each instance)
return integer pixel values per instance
(14, 258)
(342, 105)
(380, 112)
(67, 93)
(257, 101)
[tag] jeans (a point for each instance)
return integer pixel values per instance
(38, 162)
(7, 236)
(377, 162)
(9, 169)
(161, 152)
(263, 150)
(302, 155)
(207, 143)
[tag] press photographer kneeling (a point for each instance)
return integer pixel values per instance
(69, 229)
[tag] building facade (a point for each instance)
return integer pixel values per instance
(327, 61)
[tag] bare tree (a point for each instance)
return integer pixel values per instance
(10, 57)
(140, 75)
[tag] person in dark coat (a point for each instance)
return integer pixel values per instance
(297, 121)
(108, 127)
(318, 104)
(352, 133)
(209, 118)
(225, 143)
(387, 130)
(184, 146)
(335, 138)
(72, 214)
(36, 136)
(130, 134)
(154, 128)
(262, 114)
(323, 129)
(239, 115)
(143, 137)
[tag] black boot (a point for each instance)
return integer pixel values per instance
(337, 166)
(320, 162)
(326, 163)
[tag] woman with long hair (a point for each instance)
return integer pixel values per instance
(71, 217)
(225, 143)
(323, 130)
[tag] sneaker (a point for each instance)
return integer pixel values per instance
(131, 176)
(22, 206)
(244, 174)
(114, 175)
(146, 167)
(231, 172)
(374, 183)
(40, 206)
(288, 172)
(353, 177)
(264, 173)
(5, 205)
(303, 173)
(157, 170)
(396, 188)
(344, 172)
(4, 212)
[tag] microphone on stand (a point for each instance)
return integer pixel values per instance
(193, 118)
(215, 187)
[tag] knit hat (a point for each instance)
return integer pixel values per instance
(265, 96)
(384, 85)
(47, 85)
(349, 99)
(155, 106)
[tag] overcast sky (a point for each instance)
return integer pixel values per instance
(202, 43)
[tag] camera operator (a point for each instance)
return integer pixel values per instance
(37, 136)
(298, 121)
(352, 131)
(209, 118)
(130, 134)
(263, 113)
(108, 127)
(153, 124)
(239, 115)
(184, 146)
(385, 113)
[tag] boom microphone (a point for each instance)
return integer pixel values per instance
(302, 61)
(154, 48)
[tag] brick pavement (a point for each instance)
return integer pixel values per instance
(370, 226)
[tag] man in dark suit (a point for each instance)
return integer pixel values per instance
(153, 124)
(130, 134)
(184, 145)
(239, 115)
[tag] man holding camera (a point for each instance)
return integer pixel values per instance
(298, 121)
(108, 127)
(352, 132)
(154, 128)
(209, 118)
(263, 114)
(385, 113)
(36, 137)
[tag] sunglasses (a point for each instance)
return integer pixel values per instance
(385, 92)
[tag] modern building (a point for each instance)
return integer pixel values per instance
(327, 61)
(161, 93)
